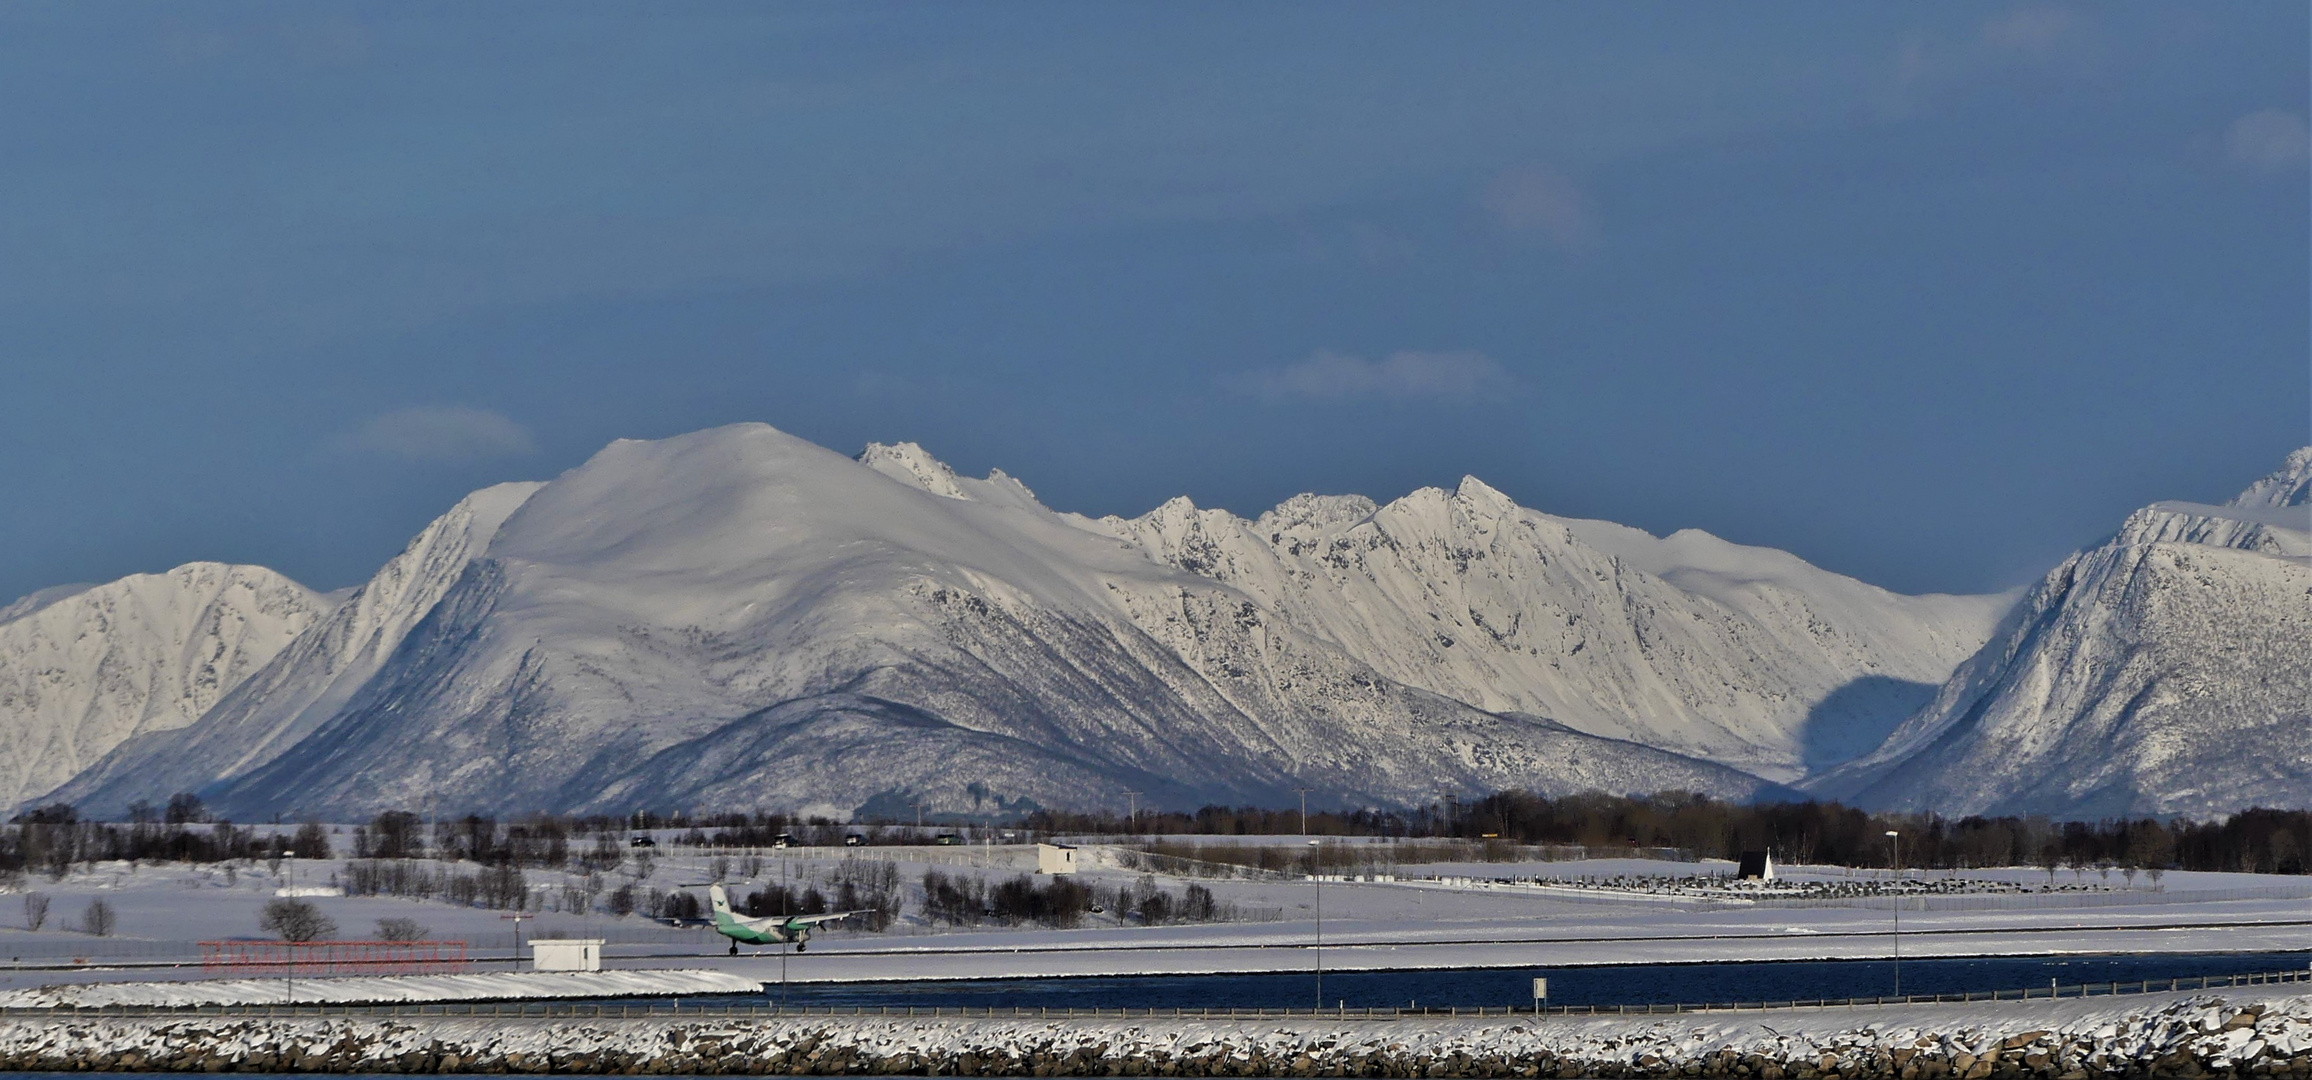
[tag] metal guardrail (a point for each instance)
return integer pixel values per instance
(568, 1010)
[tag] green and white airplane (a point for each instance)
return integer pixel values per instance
(769, 930)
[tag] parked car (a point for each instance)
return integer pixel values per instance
(854, 840)
(642, 841)
(783, 840)
(947, 839)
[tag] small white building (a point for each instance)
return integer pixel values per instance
(566, 954)
(1055, 859)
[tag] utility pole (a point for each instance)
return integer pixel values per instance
(1304, 794)
(1132, 818)
(1895, 841)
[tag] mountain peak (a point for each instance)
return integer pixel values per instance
(2290, 485)
(1483, 496)
(910, 463)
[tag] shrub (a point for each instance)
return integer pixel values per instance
(295, 920)
(1060, 903)
(957, 901)
(680, 905)
(402, 930)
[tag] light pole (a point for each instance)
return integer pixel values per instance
(1895, 841)
(518, 918)
(1132, 817)
(1304, 794)
(1318, 880)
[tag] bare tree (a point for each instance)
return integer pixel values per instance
(295, 920)
(311, 842)
(98, 920)
(402, 930)
(35, 910)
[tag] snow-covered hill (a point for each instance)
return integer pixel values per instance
(84, 668)
(740, 618)
(2162, 672)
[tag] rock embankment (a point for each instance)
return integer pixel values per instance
(2191, 1036)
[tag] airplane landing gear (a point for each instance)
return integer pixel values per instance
(734, 947)
(801, 945)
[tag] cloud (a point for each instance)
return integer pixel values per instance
(1459, 377)
(2028, 43)
(2271, 139)
(1543, 201)
(439, 434)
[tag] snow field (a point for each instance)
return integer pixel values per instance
(164, 910)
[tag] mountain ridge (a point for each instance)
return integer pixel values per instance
(738, 618)
(84, 669)
(670, 594)
(2159, 672)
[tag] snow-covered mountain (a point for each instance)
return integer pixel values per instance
(739, 618)
(84, 668)
(1746, 656)
(308, 680)
(2162, 672)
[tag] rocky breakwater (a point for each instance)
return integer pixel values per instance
(2231, 1035)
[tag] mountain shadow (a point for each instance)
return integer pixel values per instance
(1855, 718)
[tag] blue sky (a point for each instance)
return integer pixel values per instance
(1927, 294)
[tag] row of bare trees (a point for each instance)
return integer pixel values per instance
(2257, 841)
(52, 839)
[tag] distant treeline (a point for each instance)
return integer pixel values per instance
(52, 839)
(2256, 841)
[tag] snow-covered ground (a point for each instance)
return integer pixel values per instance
(164, 910)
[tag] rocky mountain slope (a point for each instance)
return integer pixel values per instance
(85, 668)
(739, 618)
(2162, 672)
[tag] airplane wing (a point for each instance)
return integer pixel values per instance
(814, 920)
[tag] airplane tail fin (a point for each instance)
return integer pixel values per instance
(721, 900)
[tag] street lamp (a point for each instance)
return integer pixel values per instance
(1318, 880)
(1895, 841)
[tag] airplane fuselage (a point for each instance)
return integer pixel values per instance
(761, 931)
(773, 930)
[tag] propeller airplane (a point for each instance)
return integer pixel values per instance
(768, 930)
